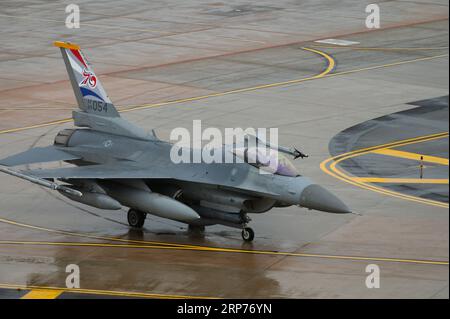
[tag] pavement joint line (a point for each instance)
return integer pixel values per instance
(231, 250)
(329, 167)
(105, 26)
(87, 24)
(384, 28)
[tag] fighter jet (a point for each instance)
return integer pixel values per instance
(116, 164)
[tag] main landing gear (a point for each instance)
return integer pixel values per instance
(136, 218)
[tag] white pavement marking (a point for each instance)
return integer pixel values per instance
(337, 42)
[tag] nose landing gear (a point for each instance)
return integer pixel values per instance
(248, 234)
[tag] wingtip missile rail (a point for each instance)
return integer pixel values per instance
(41, 182)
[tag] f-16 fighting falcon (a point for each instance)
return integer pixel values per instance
(116, 164)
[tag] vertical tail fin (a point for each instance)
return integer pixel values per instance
(96, 109)
(89, 92)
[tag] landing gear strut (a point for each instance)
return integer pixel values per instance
(136, 218)
(196, 229)
(248, 234)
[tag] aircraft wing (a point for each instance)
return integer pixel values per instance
(122, 171)
(38, 155)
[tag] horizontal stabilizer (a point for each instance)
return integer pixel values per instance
(112, 125)
(38, 155)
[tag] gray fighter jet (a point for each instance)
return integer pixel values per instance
(116, 164)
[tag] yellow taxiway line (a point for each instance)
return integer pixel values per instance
(127, 243)
(412, 156)
(54, 290)
(325, 74)
(80, 235)
(401, 180)
(382, 66)
(20, 129)
(331, 64)
(228, 250)
(329, 166)
(43, 294)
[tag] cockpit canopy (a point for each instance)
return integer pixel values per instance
(269, 160)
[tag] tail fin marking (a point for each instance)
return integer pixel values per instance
(96, 109)
(89, 92)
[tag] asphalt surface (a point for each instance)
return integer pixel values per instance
(165, 65)
(429, 117)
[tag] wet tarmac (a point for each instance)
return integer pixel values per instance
(234, 66)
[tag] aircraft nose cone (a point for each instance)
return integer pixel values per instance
(318, 198)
